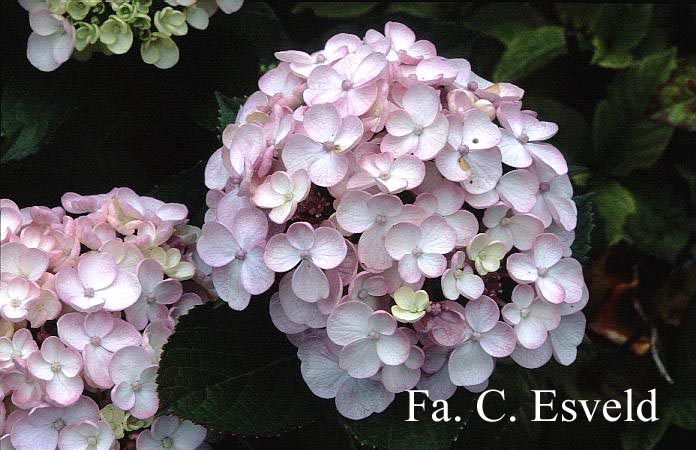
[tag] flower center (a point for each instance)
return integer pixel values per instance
(136, 386)
(524, 312)
(95, 340)
(346, 85)
(15, 302)
(380, 220)
(150, 298)
(543, 271)
(472, 86)
(92, 440)
(458, 273)
(463, 149)
(288, 196)
(523, 138)
(417, 252)
(89, 292)
(241, 254)
(363, 294)
(55, 367)
(321, 58)
(15, 354)
(304, 254)
(434, 309)
(544, 186)
(374, 335)
(418, 130)
(59, 424)
(505, 221)
(384, 176)
(476, 336)
(167, 442)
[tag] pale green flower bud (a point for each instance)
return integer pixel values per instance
(197, 17)
(115, 4)
(127, 12)
(85, 34)
(116, 35)
(143, 5)
(141, 22)
(98, 8)
(132, 424)
(160, 50)
(78, 9)
(170, 21)
(115, 417)
(57, 7)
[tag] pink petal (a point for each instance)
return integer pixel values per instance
(550, 289)
(250, 228)
(433, 139)
(329, 248)
(64, 390)
(358, 398)
(498, 341)
(322, 122)
(122, 293)
(216, 246)
(71, 330)
(400, 124)
(97, 366)
(482, 314)
(549, 155)
(521, 268)
(568, 272)
(399, 378)
(533, 359)
(348, 323)
(255, 276)
(353, 213)
(394, 349)
(228, 285)
(382, 322)
(519, 188)
(402, 239)
(309, 282)
(513, 152)
(280, 255)
(97, 270)
(369, 68)
(360, 358)
(435, 236)
(422, 103)
(328, 169)
(432, 265)
(469, 364)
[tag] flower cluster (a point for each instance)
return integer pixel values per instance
(417, 220)
(61, 28)
(86, 304)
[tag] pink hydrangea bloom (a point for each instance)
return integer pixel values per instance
(60, 368)
(134, 375)
(369, 164)
(169, 432)
(86, 435)
(97, 283)
(556, 279)
(14, 352)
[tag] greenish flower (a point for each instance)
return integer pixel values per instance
(85, 34)
(98, 8)
(116, 418)
(127, 12)
(160, 50)
(132, 424)
(141, 22)
(197, 17)
(115, 4)
(143, 5)
(116, 35)
(169, 21)
(78, 9)
(57, 7)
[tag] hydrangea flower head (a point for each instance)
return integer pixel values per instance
(348, 182)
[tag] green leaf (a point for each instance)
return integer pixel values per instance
(583, 231)
(504, 21)
(389, 429)
(661, 224)
(620, 130)
(614, 204)
(529, 51)
(335, 10)
(233, 371)
(424, 9)
(617, 29)
(259, 26)
(573, 137)
(34, 107)
(227, 109)
(677, 98)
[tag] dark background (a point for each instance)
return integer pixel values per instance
(115, 121)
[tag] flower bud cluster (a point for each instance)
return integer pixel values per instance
(65, 28)
(89, 294)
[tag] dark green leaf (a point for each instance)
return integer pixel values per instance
(336, 10)
(34, 106)
(390, 431)
(614, 204)
(661, 223)
(619, 129)
(233, 371)
(258, 25)
(529, 51)
(617, 29)
(227, 109)
(583, 231)
(503, 21)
